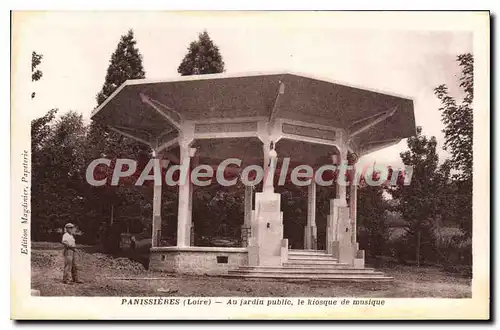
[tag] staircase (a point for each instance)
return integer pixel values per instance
(314, 265)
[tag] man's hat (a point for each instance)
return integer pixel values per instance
(69, 225)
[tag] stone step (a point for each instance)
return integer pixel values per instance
(322, 267)
(315, 277)
(308, 252)
(330, 261)
(306, 267)
(310, 257)
(305, 271)
(316, 265)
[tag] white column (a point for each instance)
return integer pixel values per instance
(267, 180)
(341, 192)
(195, 161)
(247, 222)
(183, 214)
(248, 205)
(311, 204)
(342, 188)
(310, 231)
(190, 239)
(353, 208)
(156, 225)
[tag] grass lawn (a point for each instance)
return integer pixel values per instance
(104, 275)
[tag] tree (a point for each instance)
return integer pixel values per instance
(458, 119)
(125, 63)
(40, 132)
(458, 130)
(203, 57)
(57, 173)
(373, 229)
(125, 201)
(36, 74)
(418, 201)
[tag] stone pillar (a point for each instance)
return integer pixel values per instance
(332, 226)
(266, 242)
(183, 214)
(245, 228)
(311, 231)
(345, 249)
(339, 235)
(359, 255)
(156, 226)
(341, 192)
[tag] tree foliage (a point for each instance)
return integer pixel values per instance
(40, 131)
(36, 74)
(124, 202)
(458, 130)
(418, 201)
(125, 63)
(215, 212)
(458, 119)
(57, 173)
(62, 149)
(203, 57)
(373, 231)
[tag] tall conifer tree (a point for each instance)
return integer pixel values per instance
(203, 57)
(125, 64)
(126, 202)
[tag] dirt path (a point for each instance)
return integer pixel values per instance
(100, 273)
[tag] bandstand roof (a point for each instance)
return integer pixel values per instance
(147, 108)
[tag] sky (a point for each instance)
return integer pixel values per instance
(400, 55)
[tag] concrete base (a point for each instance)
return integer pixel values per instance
(265, 245)
(348, 254)
(341, 236)
(359, 260)
(197, 260)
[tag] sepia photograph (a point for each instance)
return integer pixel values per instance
(250, 164)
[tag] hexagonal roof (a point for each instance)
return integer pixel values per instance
(305, 98)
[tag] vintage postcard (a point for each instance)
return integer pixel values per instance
(250, 165)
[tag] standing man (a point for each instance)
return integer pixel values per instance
(70, 268)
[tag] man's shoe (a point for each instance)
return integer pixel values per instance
(78, 281)
(67, 282)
